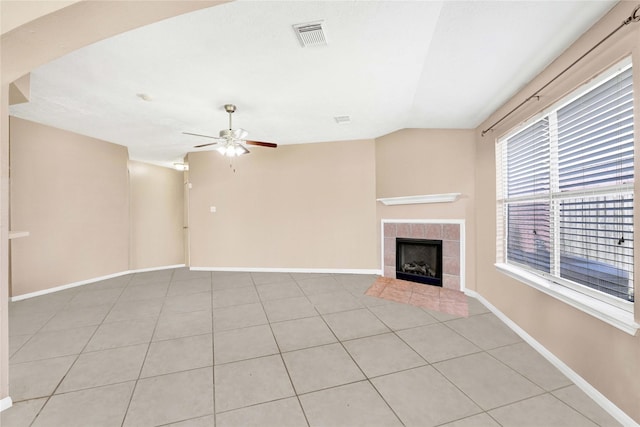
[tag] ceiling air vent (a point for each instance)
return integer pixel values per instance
(311, 34)
(342, 120)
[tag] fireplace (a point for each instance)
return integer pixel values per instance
(450, 232)
(419, 260)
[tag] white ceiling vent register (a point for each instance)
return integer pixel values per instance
(311, 33)
(342, 120)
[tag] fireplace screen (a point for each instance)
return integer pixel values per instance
(419, 260)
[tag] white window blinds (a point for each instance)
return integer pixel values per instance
(595, 136)
(567, 190)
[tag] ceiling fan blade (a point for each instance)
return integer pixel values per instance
(204, 136)
(205, 145)
(261, 144)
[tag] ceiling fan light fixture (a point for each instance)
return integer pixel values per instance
(240, 150)
(232, 150)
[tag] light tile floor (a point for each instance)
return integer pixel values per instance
(183, 348)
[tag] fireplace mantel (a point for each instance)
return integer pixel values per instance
(425, 198)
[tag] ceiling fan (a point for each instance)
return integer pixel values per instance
(231, 141)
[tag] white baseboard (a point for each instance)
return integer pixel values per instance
(291, 270)
(591, 391)
(88, 281)
(144, 270)
(5, 403)
(166, 267)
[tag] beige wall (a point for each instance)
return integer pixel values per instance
(70, 192)
(425, 161)
(414, 162)
(299, 206)
(14, 13)
(156, 216)
(608, 358)
(89, 211)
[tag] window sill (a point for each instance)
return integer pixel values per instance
(614, 316)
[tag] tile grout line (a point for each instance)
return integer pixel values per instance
(544, 391)
(579, 411)
(64, 307)
(428, 363)
(213, 353)
(53, 392)
(286, 368)
(144, 360)
(362, 371)
(31, 335)
(394, 332)
(480, 350)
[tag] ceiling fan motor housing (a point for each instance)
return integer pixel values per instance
(230, 134)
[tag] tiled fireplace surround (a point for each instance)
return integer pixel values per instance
(449, 232)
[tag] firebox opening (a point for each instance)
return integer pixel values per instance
(419, 260)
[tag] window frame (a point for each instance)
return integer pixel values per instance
(611, 309)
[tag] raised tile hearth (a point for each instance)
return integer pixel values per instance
(430, 297)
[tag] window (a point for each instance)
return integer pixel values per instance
(565, 192)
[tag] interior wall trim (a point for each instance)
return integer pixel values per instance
(590, 390)
(86, 282)
(421, 199)
(291, 270)
(238, 269)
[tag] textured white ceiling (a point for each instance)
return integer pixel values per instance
(388, 64)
